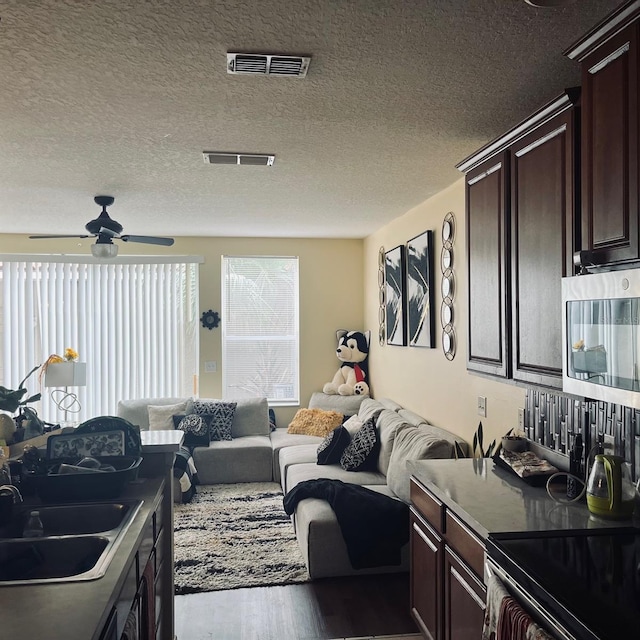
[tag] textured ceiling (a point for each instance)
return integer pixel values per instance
(121, 97)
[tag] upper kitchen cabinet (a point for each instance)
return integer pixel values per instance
(521, 233)
(608, 55)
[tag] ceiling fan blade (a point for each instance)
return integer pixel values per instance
(109, 233)
(57, 236)
(167, 242)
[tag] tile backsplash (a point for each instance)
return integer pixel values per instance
(553, 420)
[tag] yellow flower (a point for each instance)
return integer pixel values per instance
(70, 354)
(579, 345)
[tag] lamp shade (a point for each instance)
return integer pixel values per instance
(66, 374)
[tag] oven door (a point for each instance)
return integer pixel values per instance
(537, 612)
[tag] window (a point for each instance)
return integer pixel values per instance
(260, 335)
(134, 321)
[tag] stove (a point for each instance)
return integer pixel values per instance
(589, 581)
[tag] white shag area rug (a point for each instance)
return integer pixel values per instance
(235, 535)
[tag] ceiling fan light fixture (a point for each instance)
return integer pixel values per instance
(104, 250)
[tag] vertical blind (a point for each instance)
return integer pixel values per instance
(134, 324)
(260, 328)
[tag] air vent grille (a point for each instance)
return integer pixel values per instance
(261, 64)
(256, 159)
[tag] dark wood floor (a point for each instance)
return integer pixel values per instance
(320, 610)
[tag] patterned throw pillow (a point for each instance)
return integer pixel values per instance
(361, 454)
(220, 416)
(331, 448)
(196, 429)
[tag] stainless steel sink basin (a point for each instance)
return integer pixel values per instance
(78, 544)
(71, 519)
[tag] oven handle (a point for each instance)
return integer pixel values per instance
(491, 568)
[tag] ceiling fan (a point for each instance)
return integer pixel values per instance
(106, 230)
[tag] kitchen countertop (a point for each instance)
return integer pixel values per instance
(77, 610)
(493, 500)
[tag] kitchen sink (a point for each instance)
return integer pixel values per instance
(71, 519)
(78, 544)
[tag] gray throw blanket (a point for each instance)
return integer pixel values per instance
(374, 526)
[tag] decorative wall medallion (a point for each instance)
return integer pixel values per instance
(447, 287)
(210, 319)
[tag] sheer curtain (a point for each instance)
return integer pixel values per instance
(133, 321)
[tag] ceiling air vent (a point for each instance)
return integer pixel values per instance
(260, 64)
(256, 159)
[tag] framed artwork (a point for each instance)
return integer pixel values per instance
(420, 318)
(394, 277)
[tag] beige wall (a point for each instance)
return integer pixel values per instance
(423, 379)
(331, 295)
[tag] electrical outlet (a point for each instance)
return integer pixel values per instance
(482, 406)
(520, 421)
(210, 366)
(608, 444)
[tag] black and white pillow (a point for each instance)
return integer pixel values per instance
(361, 454)
(196, 429)
(331, 448)
(220, 416)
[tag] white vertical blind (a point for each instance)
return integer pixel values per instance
(135, 325)
(260, 328)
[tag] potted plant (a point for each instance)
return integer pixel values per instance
(12, 400)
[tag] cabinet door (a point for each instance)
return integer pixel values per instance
(542, 244)
(610, 149)
(487, 251)
(426, 578)
(464, 600)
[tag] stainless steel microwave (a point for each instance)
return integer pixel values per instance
(601, 336)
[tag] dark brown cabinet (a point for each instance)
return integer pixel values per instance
(447, 558)
(487, 251)
(521, 234)
(426, 587)
(609, 59)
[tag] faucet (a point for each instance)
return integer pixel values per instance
(17, 496)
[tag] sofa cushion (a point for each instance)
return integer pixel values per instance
(315, 422)
(388, 424)
(298, 454)
(196, 429)
(245, 459)
(390, 404)
(331, 448)
(161, 416)
(352, 425)
(310, 471)
(346, 405)
(322, 544)
(136, 411)
(281, 441)
(361, 454)
(413, 443)
(369, 408)
(412, 418)
(219, 414)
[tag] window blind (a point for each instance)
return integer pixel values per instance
(135, 326)
(260, 328)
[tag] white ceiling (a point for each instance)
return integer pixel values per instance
(120, 97)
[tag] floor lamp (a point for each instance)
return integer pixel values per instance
(66, 374)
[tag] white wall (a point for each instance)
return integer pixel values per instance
(423, 379)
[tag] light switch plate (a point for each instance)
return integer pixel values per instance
(482, 406)
(210, 366)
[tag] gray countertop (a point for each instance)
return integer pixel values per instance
(492, 500)
(76, 610)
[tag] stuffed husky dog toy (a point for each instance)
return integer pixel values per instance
(352, 351)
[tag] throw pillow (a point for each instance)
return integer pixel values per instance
(220, 416)
(361, 454)
(161, 416)
(353, 424)
(331, 448)
(315, 422)
(196, 429)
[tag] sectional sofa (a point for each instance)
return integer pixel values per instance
(258, 454)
